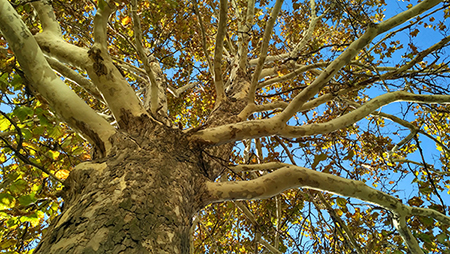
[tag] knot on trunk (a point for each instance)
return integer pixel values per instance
(82, 176)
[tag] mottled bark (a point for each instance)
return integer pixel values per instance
(139, 199)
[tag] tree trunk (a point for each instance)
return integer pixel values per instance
(139, 199)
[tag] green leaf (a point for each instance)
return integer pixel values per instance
(18, 186)
(17, 82)
(44, 121)
(27, 199)
(53, 154)
(39, 130)
(32, 218)
(442, 238)
(6, 201)
(427, 221)
(23, 112)
(55, 132)
(7, 244)
(425, 237)
(12, 222)
(341, 202)
(26, 133)
(3, 83)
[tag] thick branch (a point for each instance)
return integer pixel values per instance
(64, 101)
(61, 50)
(119, 95)
(105, 8)
(65, 52)
(177, 91)
(221, 32)
(107, 78)
(157, 101)
(116, 91)
(268, 127)
(290, 177)
(47, 17)
(361, 112)
(258, 167)
(246, 27)
(295, 177)
(401, 226)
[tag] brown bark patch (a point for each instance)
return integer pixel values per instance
(98, 65)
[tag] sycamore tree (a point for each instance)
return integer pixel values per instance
(221, 126)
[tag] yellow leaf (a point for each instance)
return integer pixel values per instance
(54, 154)
(126, 21)
(62, 174)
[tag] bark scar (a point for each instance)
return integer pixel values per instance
(99, 67)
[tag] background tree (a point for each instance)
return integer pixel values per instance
(129, 127)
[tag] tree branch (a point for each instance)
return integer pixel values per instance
(152, 94)
(55, 46)
(299, 69)
(361, 112)
(263, 51)
(346, 56)
(295, 177)
(221, 32)
(245, 30)
(105, 8)
(309, 32)
(98, 64)
(61, 98)
(348, 234)
(267, 127)
(177, 91)
(252, 219)
(120, 96)
(258, 167)
(300, 45)
(75, 77)
(413, 131)
(202, 30)
(47, 17)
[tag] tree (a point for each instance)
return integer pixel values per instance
(150, 120)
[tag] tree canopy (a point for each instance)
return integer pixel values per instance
(339, 134)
